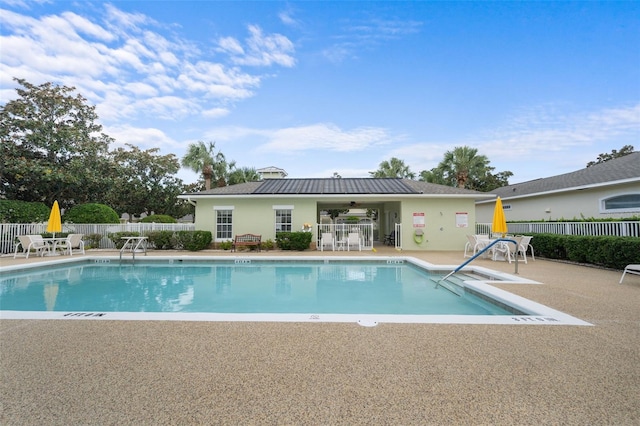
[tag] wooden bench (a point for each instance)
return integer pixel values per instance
(246, 240)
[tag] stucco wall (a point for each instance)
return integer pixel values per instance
(256, 215)
(441, 232)
(567, 205)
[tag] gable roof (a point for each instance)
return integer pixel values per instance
(622, 169)
(341, 186)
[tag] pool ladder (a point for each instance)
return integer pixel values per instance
(134, 244)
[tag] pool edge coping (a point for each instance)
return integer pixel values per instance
(538, 314)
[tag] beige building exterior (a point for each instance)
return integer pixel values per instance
(606, 190)
(428, 216)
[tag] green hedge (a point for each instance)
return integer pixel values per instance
(606, 251)
(158, 218)
(293, 240)
(169, 240)
(192, 240)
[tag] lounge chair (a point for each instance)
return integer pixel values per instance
(353, 239)
(630, 269)
(327, 240)
(31, 242)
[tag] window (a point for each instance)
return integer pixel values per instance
(283, 220)
(625, 202)
(224, 224)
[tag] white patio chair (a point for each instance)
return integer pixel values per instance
(507, 249)
(524, 247)
(74, 242)
(31, 242)
(474, 244)
(353, 239)
(327, 239)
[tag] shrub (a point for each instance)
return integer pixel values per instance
(267, 245)
(158, 218)
(293, 240)
(161, 240)
(91, 213)
(607, 251)
(225, 245)
(23, 212)
(92, 240)
(192, 240)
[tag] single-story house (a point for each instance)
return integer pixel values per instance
(607, 190)
(427, 216)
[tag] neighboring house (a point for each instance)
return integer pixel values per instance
(445, 214)
(606, 190)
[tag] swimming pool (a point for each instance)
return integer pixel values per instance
(268, 289)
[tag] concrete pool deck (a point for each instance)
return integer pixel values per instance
(155, 372)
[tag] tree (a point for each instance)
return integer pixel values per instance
(202, 158)
(334, 213)
(434, 175)
(52, 147)
(489, 181)
(242, 175)
(462, 164)
(145, 183)
(625, 150)
(464, 168)
(394, 168)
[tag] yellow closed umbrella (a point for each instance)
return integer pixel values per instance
(55, 221)
(499, 224)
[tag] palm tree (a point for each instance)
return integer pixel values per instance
(394, 168)
(461, 164)
(202, 158)
(243, 174)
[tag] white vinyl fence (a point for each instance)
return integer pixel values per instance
(341, 230)
(620, 229)
(10, 231)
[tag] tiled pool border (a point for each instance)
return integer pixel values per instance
(536, 314)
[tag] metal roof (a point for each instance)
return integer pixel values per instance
(341, 186)
(334, 186)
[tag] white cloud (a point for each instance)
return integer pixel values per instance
(143, 138)
(286, 17)
(126, 64)
(326, 136)
(546, 129)
(215, 113)
(262, 49)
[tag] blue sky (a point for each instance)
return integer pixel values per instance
(314, 88)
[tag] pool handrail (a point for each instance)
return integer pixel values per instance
(508, 240)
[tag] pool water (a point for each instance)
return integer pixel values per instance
(256, 287)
